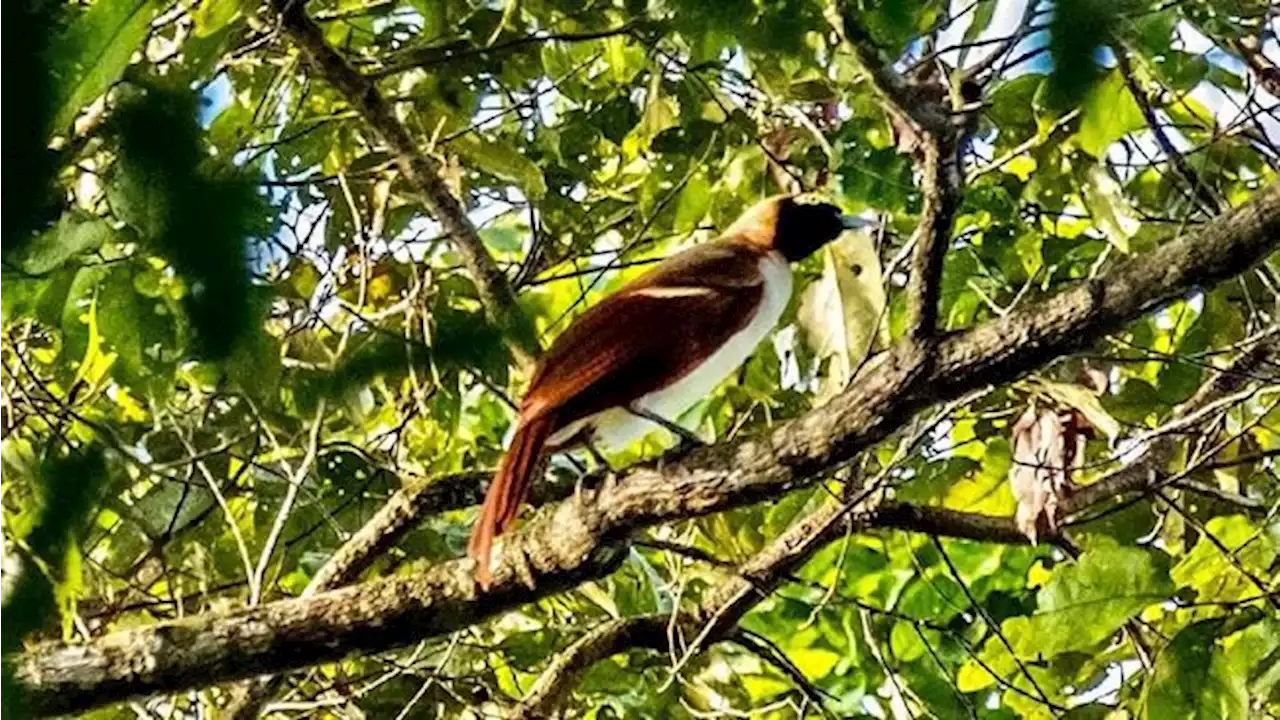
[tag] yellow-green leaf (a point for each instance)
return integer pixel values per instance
(1109, 113)
(502, 160)
(841, 311)
(213, 15)
(1086, 401)
(1112, 213)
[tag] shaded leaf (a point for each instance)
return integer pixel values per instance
(198, 221)
(1078, 27)
(94, 52)
(74, 234)
(1192, 679)
(502, 160)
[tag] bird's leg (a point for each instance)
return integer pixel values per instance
(599, 461)
(597, 456)
(687, 438)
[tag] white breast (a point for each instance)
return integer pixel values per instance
(617, 428)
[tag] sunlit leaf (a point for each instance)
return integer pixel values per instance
(1088, 600)
(1111, 211)
(841, 312)
(1108, 113)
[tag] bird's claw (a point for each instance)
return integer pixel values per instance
(518, 556)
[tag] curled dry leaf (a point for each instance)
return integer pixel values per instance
(1048, 446)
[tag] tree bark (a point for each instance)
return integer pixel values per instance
(575, 541)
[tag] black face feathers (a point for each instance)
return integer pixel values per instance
(804, 227)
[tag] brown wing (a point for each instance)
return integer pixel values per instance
(654, 329)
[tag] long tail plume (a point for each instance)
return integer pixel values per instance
(509, 487)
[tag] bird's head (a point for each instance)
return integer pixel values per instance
(794, 225)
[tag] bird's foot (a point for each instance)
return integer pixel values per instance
(518, 555)
(608, 484)
(579, 485)
(579, 503)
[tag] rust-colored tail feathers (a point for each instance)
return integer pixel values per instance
(508, 489)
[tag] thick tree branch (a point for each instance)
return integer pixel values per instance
(561, 674)
(711, 620)
(419, 169)
(1267, 72)
(577, 540)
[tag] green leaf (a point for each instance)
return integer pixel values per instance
(1078, 27)
(75, 233)
(1255, 653)
(1010, 102)
(840, 312)
(694, 202)
(905, 642)
(502, 238)
(66, 487)
(1085, 400)
(1111, 211)
(982, 15)
(1088, 600)
(1214, 577)
(1192, 679)
(504, 161)
(1135, 403)
(140, 330)
(120, 317)
(1109, 113)
(94, 52)
(198, 220)
(467, 340)
(212, 15)
(660, 114)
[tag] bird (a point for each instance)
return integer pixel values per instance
(655, 347)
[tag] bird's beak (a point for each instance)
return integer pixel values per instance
(854, 222)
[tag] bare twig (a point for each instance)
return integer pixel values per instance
(938, 118)
(421, 171)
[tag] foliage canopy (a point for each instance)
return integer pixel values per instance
(235, 325)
